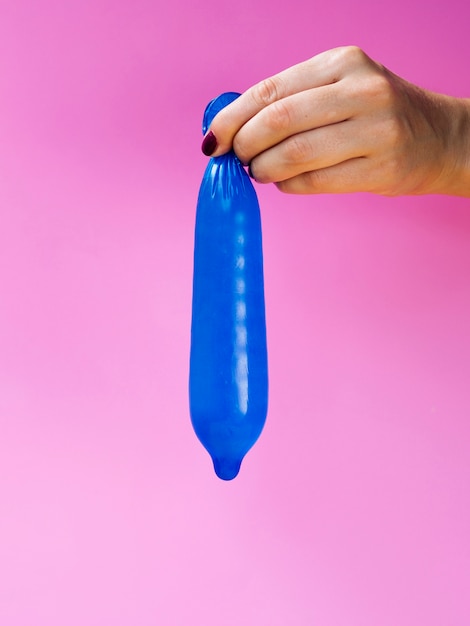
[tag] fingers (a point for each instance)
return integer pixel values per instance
(340, 122)
(312, 150)
(337, 123)
(324, 69)
(347, 177)
(294, 114)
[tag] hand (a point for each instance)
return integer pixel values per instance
(341, 122)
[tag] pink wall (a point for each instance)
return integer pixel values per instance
(353, 509)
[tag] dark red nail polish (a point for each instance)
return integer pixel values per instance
(209, 144)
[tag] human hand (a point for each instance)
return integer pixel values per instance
(340, 122)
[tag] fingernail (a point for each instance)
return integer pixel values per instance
(209, 144)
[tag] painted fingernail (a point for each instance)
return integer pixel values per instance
(209, 144)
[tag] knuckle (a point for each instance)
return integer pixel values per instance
(395, 134)
(392, 175)
(352, 56)
(296, 150)
(278, 117)
(266, 92)
(312, 182)
(379, 89)
(317, 180)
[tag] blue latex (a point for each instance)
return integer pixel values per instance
(228, 381)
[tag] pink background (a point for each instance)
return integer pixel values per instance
(353, 509)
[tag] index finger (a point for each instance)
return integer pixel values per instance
(322, 69)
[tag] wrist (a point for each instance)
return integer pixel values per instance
(455, 177)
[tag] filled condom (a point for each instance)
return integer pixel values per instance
(228, 380)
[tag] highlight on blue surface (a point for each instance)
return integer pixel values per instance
(228, 380)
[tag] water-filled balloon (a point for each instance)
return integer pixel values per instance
(228, 382)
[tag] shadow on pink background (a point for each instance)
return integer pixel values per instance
(353, 508)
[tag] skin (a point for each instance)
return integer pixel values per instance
(341, 122)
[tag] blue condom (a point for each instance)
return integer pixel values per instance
(228, 380)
